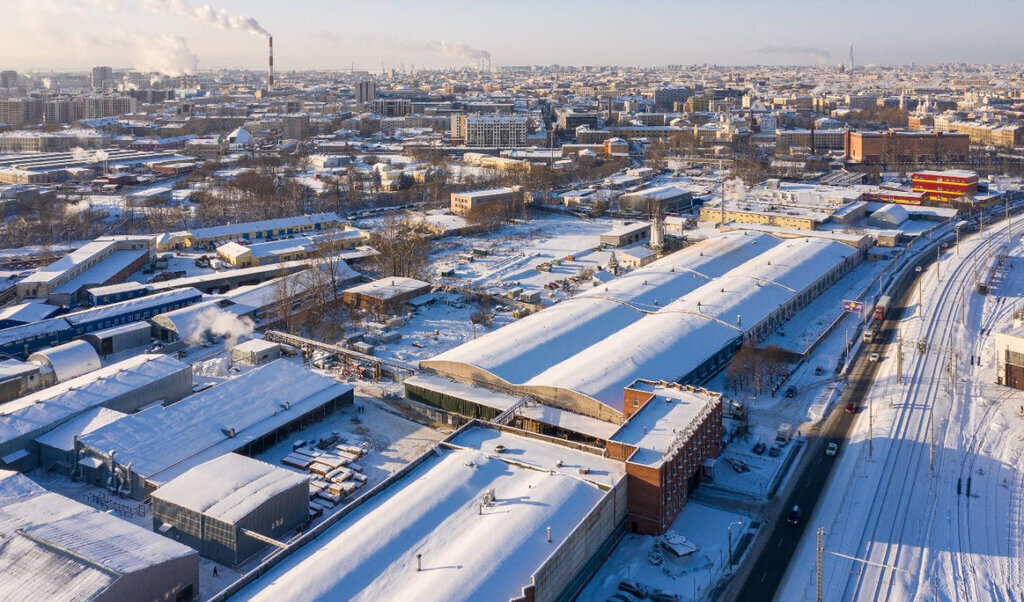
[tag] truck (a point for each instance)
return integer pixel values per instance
(869, 335)
(882, 307)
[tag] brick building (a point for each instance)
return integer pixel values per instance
(670, 436)
(906, 146)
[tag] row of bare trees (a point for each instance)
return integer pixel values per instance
(756, 369)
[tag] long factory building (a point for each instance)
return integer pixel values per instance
(679, 319)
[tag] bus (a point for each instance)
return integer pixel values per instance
(882, 307)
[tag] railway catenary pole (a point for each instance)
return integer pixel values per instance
(821, 554)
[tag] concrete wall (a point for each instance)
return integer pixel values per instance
(574, 561)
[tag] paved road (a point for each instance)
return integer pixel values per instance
(765, 575)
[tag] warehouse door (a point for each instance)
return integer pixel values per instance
(1015, 376)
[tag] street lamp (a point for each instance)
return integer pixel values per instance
(736, 522)
(920, 298)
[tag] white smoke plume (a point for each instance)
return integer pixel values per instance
(100, 155)
(216, 321)
(458, 49)
(165, 54)
(80, 154)
(207, 14)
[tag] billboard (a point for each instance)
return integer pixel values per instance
(856, 307)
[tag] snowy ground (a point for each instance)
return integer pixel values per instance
(690, 577)
(890, 509)
(514, 252)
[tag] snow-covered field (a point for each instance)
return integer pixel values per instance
(642, 559)
(927, 541)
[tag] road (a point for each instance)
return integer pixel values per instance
(811, 475)
(887, 518)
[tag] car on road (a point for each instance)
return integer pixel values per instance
(760, 447)
(832, 449)
(851, 408)
(774, 451)
(791, 392)
(794, 516)
(874, 357)
(818, 371)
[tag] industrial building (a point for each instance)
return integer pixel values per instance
(671, 437)
(522, 516)
(57, 447)
(478, 204)
(226, 508)
(67, 361)
(54, 548)
(107, 260)
(244, 415)
(905, 146)
(384, 296)
(209, 238)
(677, 319)
(255, 352)
(19, 378)
(278, 251)
(626, 234)
(125, 386)
(660, 199)
(945, 186)
(120, 338)
(1009, 352)
(22, 340)
(26, 313)
(786, 205)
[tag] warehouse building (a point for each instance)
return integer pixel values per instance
(26, 313)
(19, 378)
(626, 234)
(125, 386)
(384, 296)
(54, 548)
(57, 447)
(227, 507)
(209, 238)
(670, 438)
(255, 352)
(479, 204)
(67, 361)
(522, 516)
(107, 260)
(120, 338)
(263, 253)
(244, 415)
(661, 199)
(677, 319)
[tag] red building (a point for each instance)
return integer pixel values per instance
(945, 186)
(902, 197)
(671, 435)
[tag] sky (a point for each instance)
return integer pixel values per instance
(175, 36)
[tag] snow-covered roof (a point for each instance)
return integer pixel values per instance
(103, 270)
(68, 360)
(228, 488)
(30, 311)
(188, 432)
(891, 214)
(54, 405)
(270, 224)
(63, 437)
(654, 429)
(52, 547)
(657, 322)
(105, 312)
(388, 288)
(70, 261)
(369, 554)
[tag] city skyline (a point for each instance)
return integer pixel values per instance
(171, 36)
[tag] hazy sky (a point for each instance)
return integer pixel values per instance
(168, 35)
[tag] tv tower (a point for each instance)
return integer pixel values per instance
(851, 55)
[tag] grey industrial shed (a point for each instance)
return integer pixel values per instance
(119, 338)
(227, 507)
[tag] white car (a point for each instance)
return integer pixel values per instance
(832, 449)
(874, 357)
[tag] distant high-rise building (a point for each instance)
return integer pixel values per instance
(506, 131)
(366, 91)
(101, 76)
(851, 55)
(8, 79)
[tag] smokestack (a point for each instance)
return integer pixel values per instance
(270, 76)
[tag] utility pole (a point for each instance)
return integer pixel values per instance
(957, 241)
(938, 263)
(899, 357)
(931, 441)
(871, 430)
(1009, 220)
(821, 554)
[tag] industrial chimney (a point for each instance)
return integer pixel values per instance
(270, 76)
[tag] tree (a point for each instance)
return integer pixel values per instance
(403, 251)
